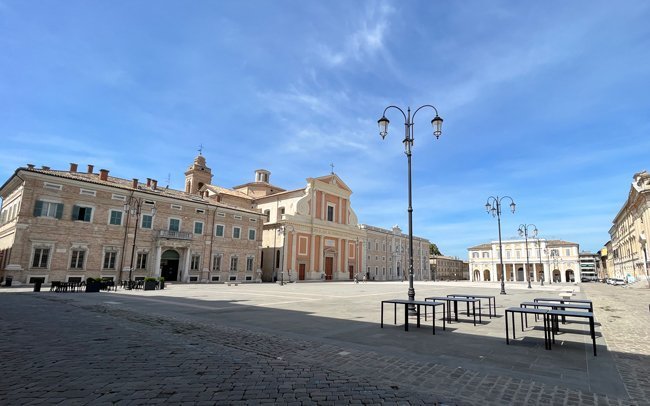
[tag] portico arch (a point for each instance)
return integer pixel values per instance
(477, 275)
(169, 265)
(486, 275)
(569, 275)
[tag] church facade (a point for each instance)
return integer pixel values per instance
(68, 225)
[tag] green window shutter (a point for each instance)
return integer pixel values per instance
(75, 212)
(87, 213)
(38, 208)
(59, 210)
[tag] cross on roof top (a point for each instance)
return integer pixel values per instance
(332, 165)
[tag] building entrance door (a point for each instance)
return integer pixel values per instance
(169, 265)
(351, 271)
(329, 266)
(301, 272)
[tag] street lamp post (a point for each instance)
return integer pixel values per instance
(523, 232)
(283, 230)
(539, 254)
(644, 244)
(493, 206)
(548, 259)
(134, 207)
(408, 144)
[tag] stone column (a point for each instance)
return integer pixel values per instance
(156, 262)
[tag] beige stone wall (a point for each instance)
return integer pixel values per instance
(63, 236)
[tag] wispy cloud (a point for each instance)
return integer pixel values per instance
(365, 40)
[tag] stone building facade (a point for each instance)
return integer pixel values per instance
(630, 231)
(67, 225)
(551, 260)
(444, 268)
(387, 258)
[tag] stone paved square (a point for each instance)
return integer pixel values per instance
(312, 343)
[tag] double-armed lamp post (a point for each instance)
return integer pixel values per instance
(523, 232)
(493, 207)
(436, 122)
(283, 230)
(134, 207)
(539, 253)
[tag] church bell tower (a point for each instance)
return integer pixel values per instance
(197, 175)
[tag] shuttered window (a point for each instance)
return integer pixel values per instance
(81, 213)
(48, 209)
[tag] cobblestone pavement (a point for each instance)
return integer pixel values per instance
(88, 349)
(625, 317)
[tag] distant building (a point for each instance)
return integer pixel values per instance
(630, 231)
(589, 265)
(553, 260)
(444, 268)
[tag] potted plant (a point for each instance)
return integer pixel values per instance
(93, 285)
(161, 280)
(150, 283)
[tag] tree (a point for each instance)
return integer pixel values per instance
(433, 249)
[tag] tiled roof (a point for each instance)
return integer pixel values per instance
(481, 247)
(126, 185)
(226, 191)
(560, 242)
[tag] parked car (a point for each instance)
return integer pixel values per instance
(616, 281)
(589, 279)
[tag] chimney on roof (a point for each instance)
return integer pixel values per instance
(30, 166)
(148, 182)
(90, 168)
(103, 174)
(135, 183)
(73, 167)
(154, 184)
(45, 168)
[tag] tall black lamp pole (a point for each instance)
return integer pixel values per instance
(134, 208)
(539, 253)
(493, 206)
(283, 230)
(408, 144)
(523, 232)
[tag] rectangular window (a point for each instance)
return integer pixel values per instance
(198, 227)
(330, 215)
(236, 232)
(237, 217)
(221, 214)
(53, 186)
(77, 259)
(41, 256)
(174, 225)
(87, 192)
(118, 197)
(249, 264)
(48, 209)
(200, 211)
(195, 263)
(251, 234)
(115, 217)
(216, 263)
(109, 259)
(233, 263)
(147, 221)
(176, 207)
(219, 230)
(141, 262)
(253, 220)
(567, 251)
(81, 213)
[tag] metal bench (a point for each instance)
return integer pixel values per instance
(417, 304)
(526, 311)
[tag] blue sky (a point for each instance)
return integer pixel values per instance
(546, 102)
